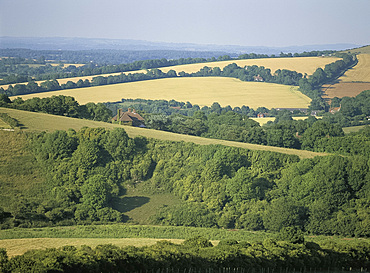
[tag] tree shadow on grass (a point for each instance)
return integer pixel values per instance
(128, 203)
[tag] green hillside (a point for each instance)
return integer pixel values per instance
(43, 122)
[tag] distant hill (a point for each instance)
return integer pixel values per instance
(360, 50)
(64, 43)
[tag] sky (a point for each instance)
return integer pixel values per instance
(223, 22)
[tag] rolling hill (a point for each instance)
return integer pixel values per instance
(201, 91)
(300, 64)
(43, 122)
(355, 80)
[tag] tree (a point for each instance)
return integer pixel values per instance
(96, 192)
(283, 212)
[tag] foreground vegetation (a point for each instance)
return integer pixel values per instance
(194, 254)
(83, 173)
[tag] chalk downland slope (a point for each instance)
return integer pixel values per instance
(45, 122)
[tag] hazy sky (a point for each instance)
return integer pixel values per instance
(225, 22)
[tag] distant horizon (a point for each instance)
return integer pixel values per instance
(267, 23)
(189, 43)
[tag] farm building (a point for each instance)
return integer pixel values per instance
(128, 118)
(258, 78)
(260, 115)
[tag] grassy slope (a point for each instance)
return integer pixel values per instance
(301, 64)
(16, 164)
(44, 122)
(353, 129)
(201, 91)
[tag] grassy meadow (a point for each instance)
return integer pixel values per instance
(353, 129)
(201, 91)
(43, 122)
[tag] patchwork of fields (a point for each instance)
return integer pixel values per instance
(201, 91)
(300, 64)
(353, 82)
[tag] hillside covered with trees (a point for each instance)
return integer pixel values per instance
(83, 173)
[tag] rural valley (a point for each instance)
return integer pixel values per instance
(120, 155)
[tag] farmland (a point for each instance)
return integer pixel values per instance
(263, 121)
(359, 73)
(44, 122)
(353, 82)
(300, 64)
(201, 91)
(344, 89)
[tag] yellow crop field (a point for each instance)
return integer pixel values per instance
(263, 121)
(300, 64)
(76, 79)
(359, 73)
(353, 82)
(201, 91)
(44, 122)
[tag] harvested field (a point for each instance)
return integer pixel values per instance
(201, 91)
(359, 73)
(353, 82)
(300, 64)
(344, 89)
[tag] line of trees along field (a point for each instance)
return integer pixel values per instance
(18, 67)
(226, 123)
(309, 86)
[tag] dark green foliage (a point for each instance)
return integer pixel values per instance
(193, 255)
(291, 234)
(197, 242)
(9, 120)
(60, 105)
